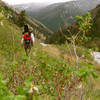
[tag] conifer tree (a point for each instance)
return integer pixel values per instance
(21, 18)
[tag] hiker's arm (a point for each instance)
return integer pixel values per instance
(32, 36)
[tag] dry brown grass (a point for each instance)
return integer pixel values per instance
(52, 51)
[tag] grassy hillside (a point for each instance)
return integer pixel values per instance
(50, 72)
(10, 36)
(35, 24)
(47, 69)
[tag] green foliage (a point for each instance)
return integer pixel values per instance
(2, 14)
(84, 26)
(1, 17)
(21, 18)
(5, 13)
(2, 10)
(86, 71)
(84, 22)
(83, 70)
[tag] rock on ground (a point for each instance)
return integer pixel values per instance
(96, 56)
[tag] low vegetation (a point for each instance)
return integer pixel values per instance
(66, 73)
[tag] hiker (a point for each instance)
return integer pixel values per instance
(28, 36)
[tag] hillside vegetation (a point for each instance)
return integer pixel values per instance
(37, 26)
(51, 72)
(46, 73)
(93, 34)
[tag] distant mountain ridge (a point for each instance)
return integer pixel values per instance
(30, 6)
(87, 4)
(59, 14)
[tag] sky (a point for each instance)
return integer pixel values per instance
(34, 1)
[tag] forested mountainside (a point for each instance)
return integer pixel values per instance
(94, 33)
(60, 14)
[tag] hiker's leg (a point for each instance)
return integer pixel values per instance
(26, 49)
(31, 43)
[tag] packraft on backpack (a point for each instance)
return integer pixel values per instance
(27, 37)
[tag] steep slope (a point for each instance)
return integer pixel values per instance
(96, 27)
(62, 13)
(33, 22)
(94, 32)
(10, 39)
(58, 14)
(96, 21)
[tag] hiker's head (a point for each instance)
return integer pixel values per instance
(26, 29)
